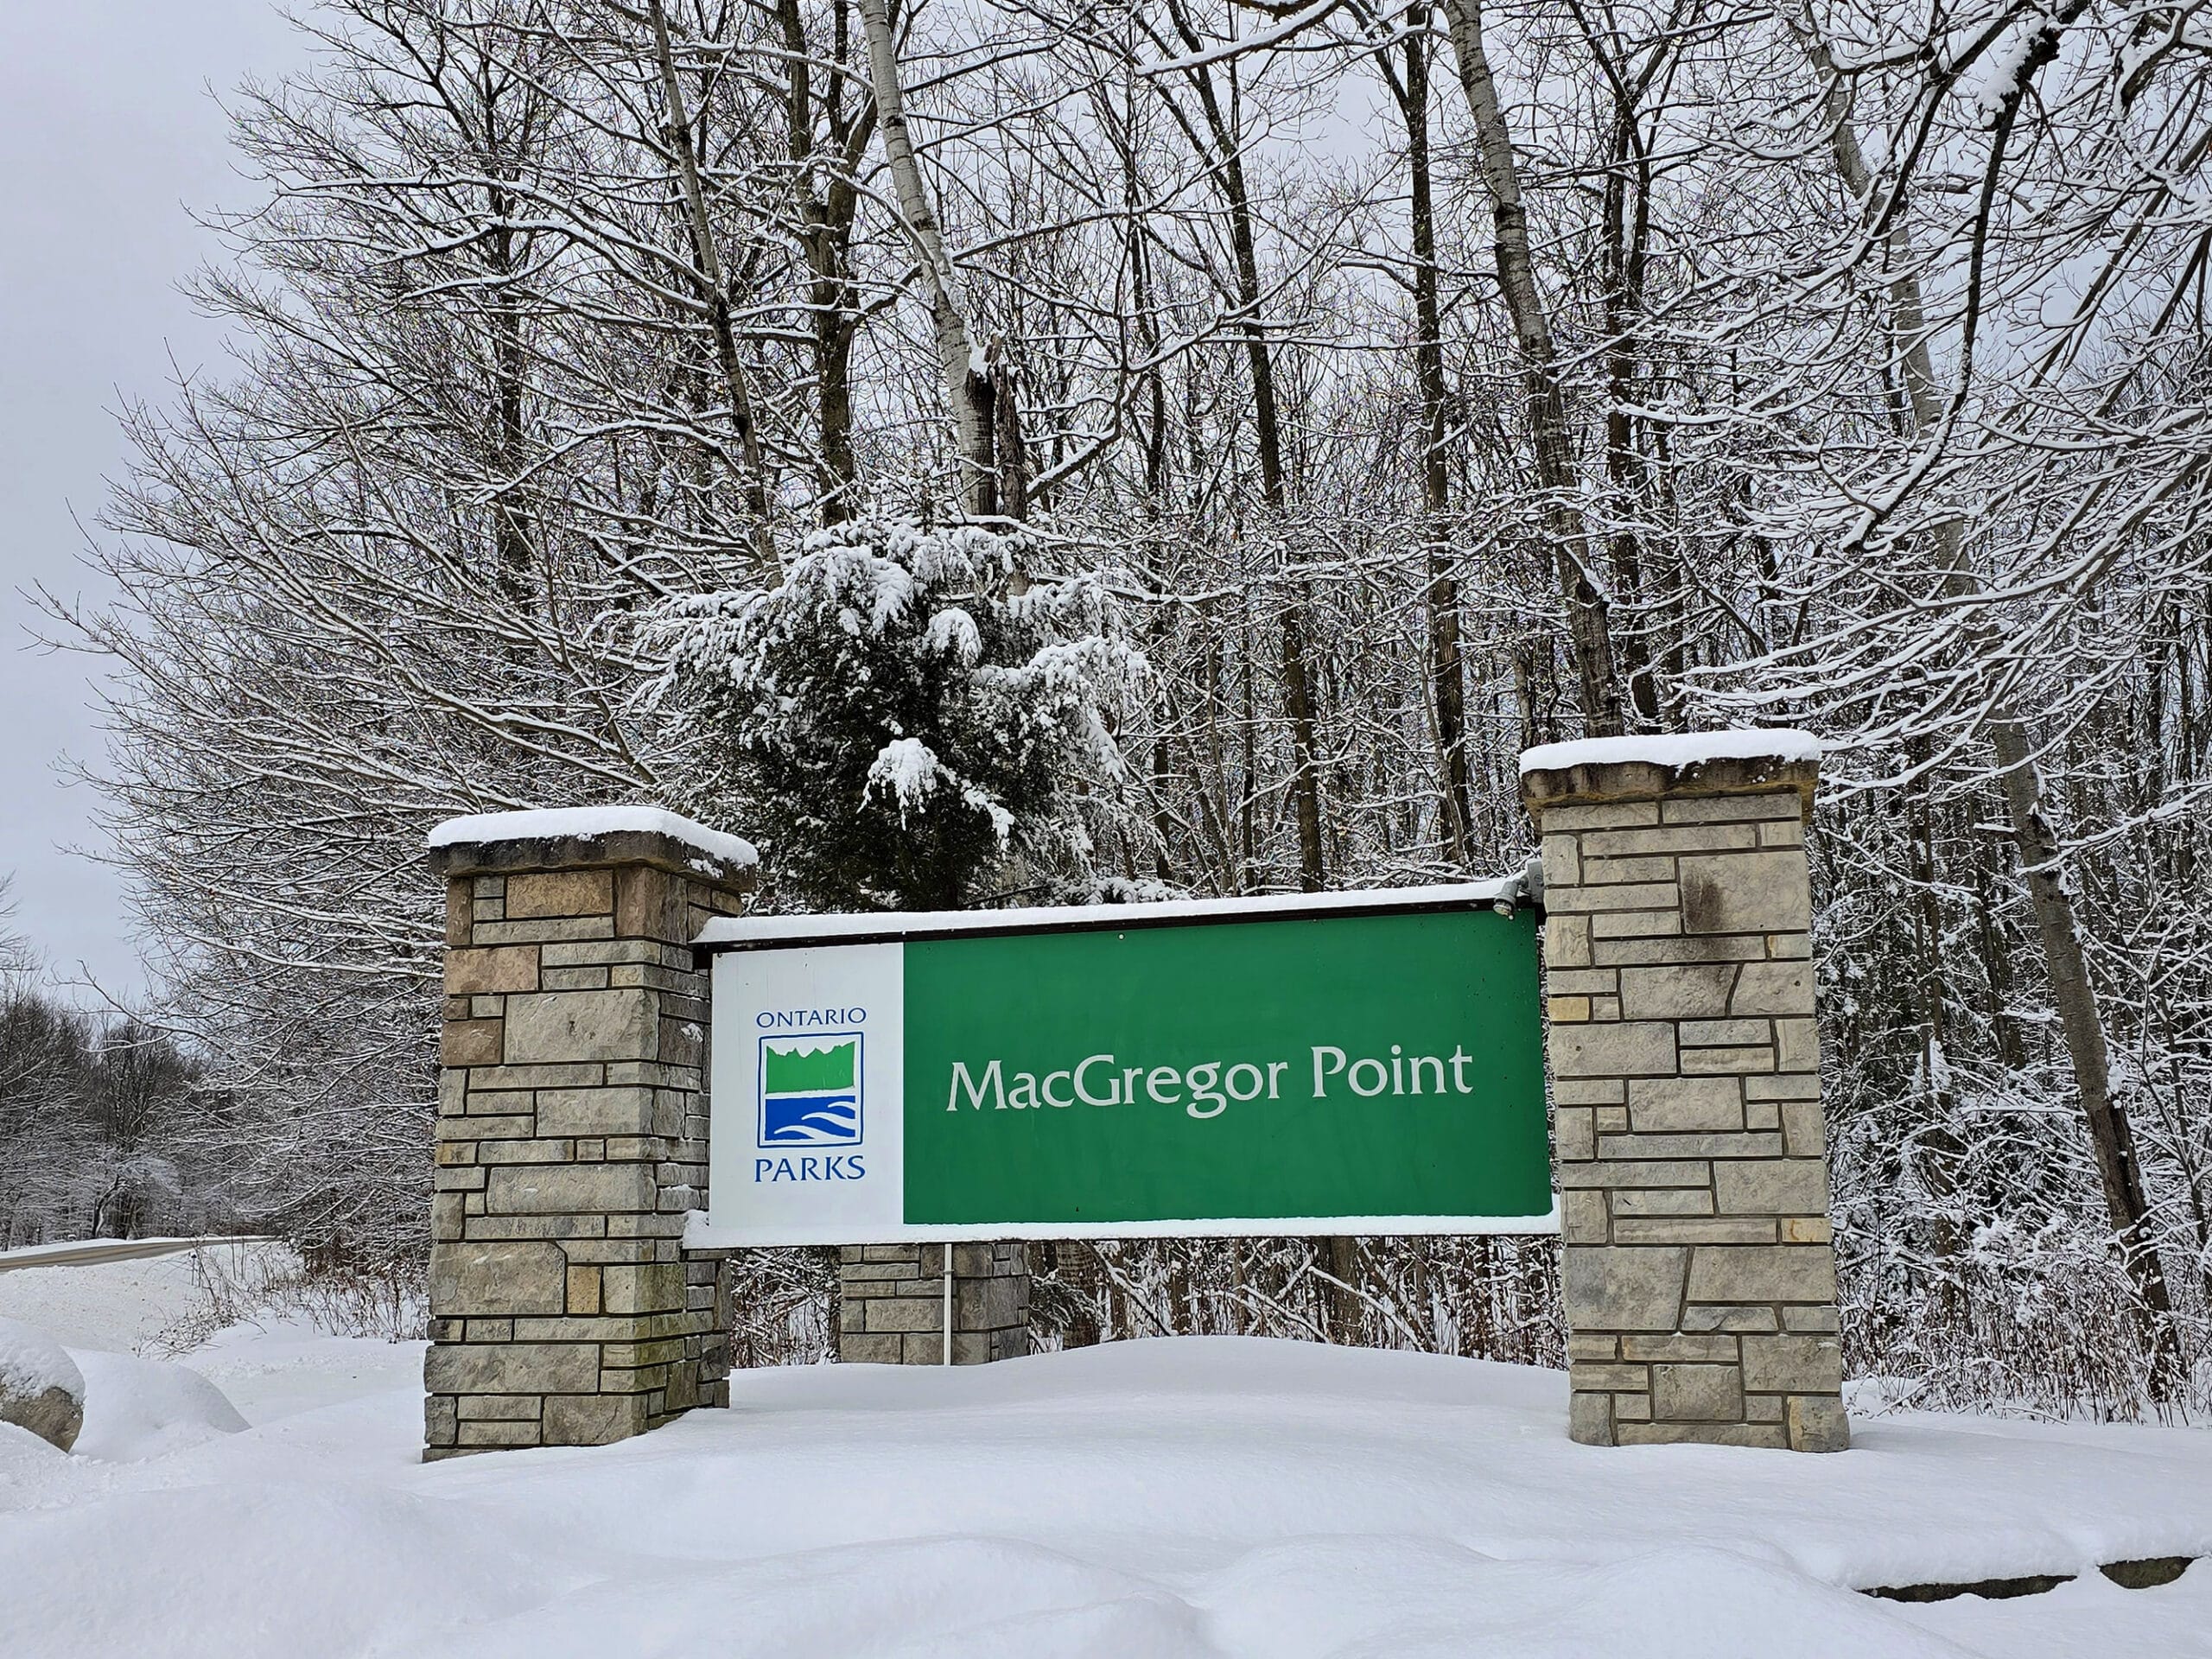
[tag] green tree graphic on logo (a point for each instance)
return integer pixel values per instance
(801, 1070)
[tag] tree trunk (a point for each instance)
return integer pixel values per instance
(708, 269)
(1589, 628)
(1447, 669)
(2112, 1137)
(1297, 678)
(967, 381)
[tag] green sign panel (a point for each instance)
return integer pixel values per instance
(1374, 1065)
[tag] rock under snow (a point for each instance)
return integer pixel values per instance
(1673, 749)
(40, 1388)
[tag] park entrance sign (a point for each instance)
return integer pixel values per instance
(934, 1091)
(1356, 1063)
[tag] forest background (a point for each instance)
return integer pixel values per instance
(1306, 408)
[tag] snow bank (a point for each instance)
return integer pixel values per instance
(588, 824)
(31, 1362)
(138, 1408)
(1188, 1498)
(1673, 749)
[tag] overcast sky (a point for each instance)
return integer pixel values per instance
(109, 134)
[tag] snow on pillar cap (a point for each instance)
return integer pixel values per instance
(1689, 763)
(611, 834)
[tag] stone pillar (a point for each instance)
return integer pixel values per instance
(572, 1129)
(891, 1303)
(1697, 1269)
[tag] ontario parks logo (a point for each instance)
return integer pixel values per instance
(811, 1090)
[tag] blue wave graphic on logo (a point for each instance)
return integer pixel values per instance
(811, 1119)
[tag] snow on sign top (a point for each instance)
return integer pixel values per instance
(588, 824)
(1673, 749)
(742, 931)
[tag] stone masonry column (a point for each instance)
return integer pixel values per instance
(572, 1128)
(1697, 1269)
(891, 1303)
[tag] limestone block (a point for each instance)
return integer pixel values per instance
(1781, 834)
(499, 1433)
(497, 1408)
(510, 1368)
(1573, 1135)
(490, 972)
(1785, 806)
(1802, 1129)
(1623, 1289)
(1727, 1062)
(1590, 1418)
(1769, 1435)
(1589, 1092)
(1583, 981)
(1705, 1350)
(1582, 1217)
(1746, 893)
(1798, 1044)
(596, 1111)
(1648, 842)
(1783, 1186)
(575, 1026)
(1697, 1393)
(561, 893)
(1810, 1318)
(479, 1277)
(1620, 1049)
(1725, 1033)
(1634, 895)
(1605, 1376)
(1773, 988)
(1793, 1364)
(1562, 861)
(1605, 872)
(1566, 1010)
(1567, 941)
(1682, 991)
(1670, 1105)
(1817, 1423)
(1784, 1273)
(470, 1042)
(572, 1189)
(1741, 1319)
(1634, 924)
(1635, 1172)
(1670, 1201)
(441, 1422)
(1744, 1144)
(905, 1313)
(1722, 947)
(650, 1288)
(1602, 814)
(1793, 1085)
(1694, 1229)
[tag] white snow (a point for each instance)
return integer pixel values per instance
(32, 1361)
(1193, 1498)
(138, 1409)
(908, 769)
(921, 924)
(1673, 749)
(588, 822)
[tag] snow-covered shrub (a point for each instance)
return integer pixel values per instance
(902, 716)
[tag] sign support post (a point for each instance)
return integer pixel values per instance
(1697, 1268)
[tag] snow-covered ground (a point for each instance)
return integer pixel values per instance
(1190, 1497)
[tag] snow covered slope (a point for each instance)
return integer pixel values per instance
(1188, 1499)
